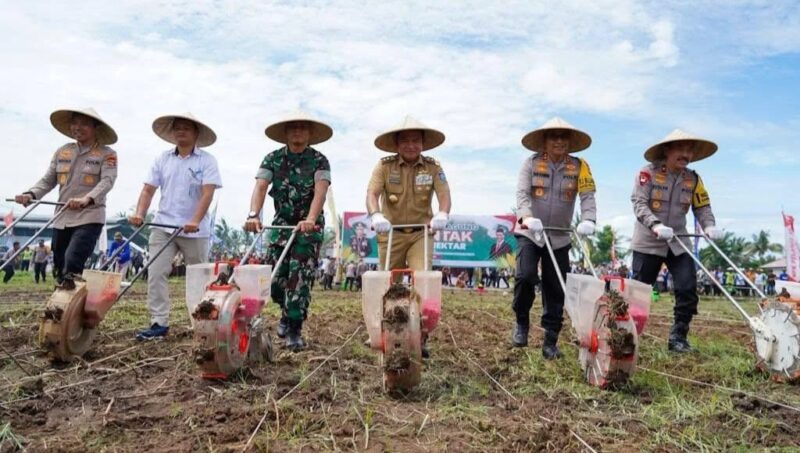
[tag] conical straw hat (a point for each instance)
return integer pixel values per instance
(162, 126)
(60, 120)
(431, 137)
(702, 148)
(534, 140)
(320, 131)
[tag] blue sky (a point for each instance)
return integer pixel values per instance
(627, 72)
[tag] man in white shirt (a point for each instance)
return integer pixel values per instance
(188, 177)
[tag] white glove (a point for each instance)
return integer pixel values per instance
(439, 221)
(714, 233)
(585, 228)
(663, 232)
(533, 224)
(380, 224)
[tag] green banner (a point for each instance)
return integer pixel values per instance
(468, 241)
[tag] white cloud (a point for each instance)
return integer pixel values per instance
(483, 73)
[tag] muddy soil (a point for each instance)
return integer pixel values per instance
(129, 396)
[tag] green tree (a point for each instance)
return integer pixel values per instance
(761, 249)
(735, 247)
(602, 243)
(230, 240)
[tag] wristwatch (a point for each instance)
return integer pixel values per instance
(252, 215)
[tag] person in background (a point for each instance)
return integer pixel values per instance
(123, 259)
(27, 258)
(40, 257)
(10, 265)
(350, 276)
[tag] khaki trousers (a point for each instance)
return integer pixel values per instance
(195, 251)
(408, 251)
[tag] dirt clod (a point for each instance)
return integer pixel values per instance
(205, 310)
(397, 361)
(203, 355)
(397, 291)
(53, 314)
(32, 388)
(621, 342)
(617, 305)
(397, 315)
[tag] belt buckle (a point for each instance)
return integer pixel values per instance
(408, 230)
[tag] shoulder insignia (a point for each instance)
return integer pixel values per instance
(389, 159)
(430, 160)
(66, 152)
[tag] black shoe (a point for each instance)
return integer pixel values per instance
(549, 349)
(294, 338)
(677, 338)
(426, 354)
(67, 284)
(283, 326)
(551, 352)
(519, 339)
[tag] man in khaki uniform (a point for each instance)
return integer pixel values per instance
(663, 193)
(405, 184)
(84, 171)
(549, 183)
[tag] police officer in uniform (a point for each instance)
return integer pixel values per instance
(663, 193)
(84, 171)
(401, 190)
(549, 183)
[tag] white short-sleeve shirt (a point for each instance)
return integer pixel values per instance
(181, 180)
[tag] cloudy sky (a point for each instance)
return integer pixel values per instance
(485, 73)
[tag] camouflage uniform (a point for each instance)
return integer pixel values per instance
(292, 177)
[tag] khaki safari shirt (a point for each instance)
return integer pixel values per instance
(407, 188)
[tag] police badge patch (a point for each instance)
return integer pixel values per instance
(442, 177)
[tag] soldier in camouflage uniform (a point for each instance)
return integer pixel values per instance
(300, 176)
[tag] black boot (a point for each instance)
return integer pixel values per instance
(677, 338)
(67, 284)
(294, 339)
(549, 349)
(519, 339)
(425, 352)
(283, 325)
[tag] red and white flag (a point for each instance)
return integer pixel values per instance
(791, 249)
(9, 218)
